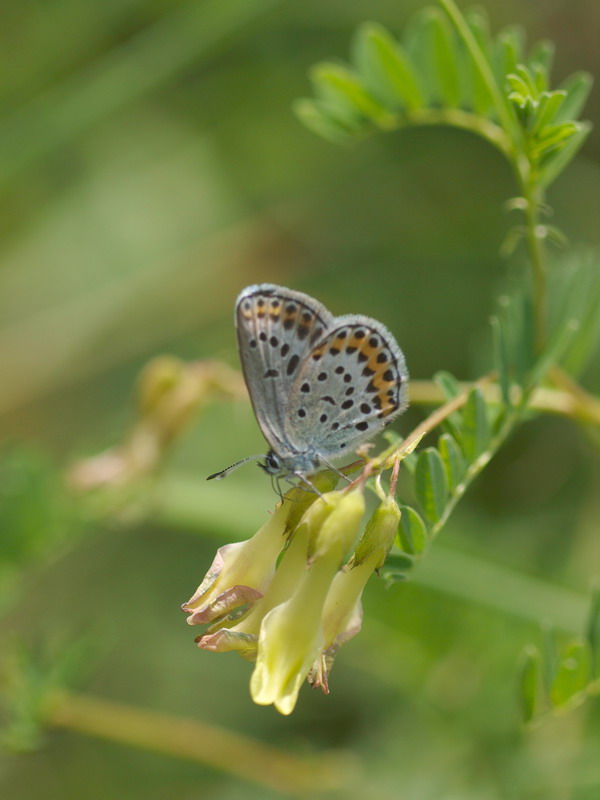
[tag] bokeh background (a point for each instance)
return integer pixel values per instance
(150, 168)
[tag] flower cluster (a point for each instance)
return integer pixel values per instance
(290, 596)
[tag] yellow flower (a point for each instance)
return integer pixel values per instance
(240, 572)
(342, 613)
(293, 619)
(291, 634)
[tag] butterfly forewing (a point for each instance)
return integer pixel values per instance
(351, 384)
(277, 329)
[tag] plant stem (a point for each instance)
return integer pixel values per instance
(537, 254)
(570, 401)
(465, 120)
(197, 741)
(387, 458)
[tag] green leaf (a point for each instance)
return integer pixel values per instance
(501, 359)
(483, 101)
(416, 42)
(449, 385)
(555, 349)
(572, 673)
(540, 77)
(431, 484)
(542, 53)
(454, 462)
(549, 657)
(576, 289)
(528, 80)
(479, 24)
(553, 136)
(550, 103)
(554, 162)
(507, 54)
(338, 85)
(412, 532)
(320, 118)
(530, 683)
(577, 87)
(593, 632)
(386, 68)
(450, 388)
(524, 73)
(517, 321)
(476, 426)
(519, 86)
(397, 567)
(444, 58)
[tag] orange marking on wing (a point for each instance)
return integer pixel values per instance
(382, 384)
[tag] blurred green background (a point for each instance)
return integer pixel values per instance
(150, 168)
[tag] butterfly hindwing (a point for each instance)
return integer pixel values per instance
(277, 329)
(351, 384)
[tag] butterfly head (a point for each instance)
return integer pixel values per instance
(273, 464)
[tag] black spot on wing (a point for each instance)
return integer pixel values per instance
(292, 364)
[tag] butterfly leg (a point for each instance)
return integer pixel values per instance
(276, 487)
(311, 486)
(330, 466)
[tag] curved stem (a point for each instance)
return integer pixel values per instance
(197, 741)
(465, 120)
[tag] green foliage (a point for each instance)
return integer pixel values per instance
(36, 512)
(530, 682)
(431, 484)
(412, 532)
(448, 69)
(563, 674)
(32, 674)
(574, 293)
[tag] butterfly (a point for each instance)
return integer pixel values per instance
(319, 385)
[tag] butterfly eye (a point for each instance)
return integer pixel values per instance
(272, 463)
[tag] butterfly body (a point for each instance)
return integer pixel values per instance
(319, 384)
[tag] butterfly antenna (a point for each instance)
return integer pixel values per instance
(225, 472)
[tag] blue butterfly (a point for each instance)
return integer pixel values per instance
(319, 385)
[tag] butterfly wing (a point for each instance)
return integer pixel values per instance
(276, 328)
(352, 384)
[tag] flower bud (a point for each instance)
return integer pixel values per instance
(379, 534)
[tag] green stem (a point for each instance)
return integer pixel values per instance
(197, 741)
(570, 400)
(535, 244)
(386, 459)
(465, 120)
